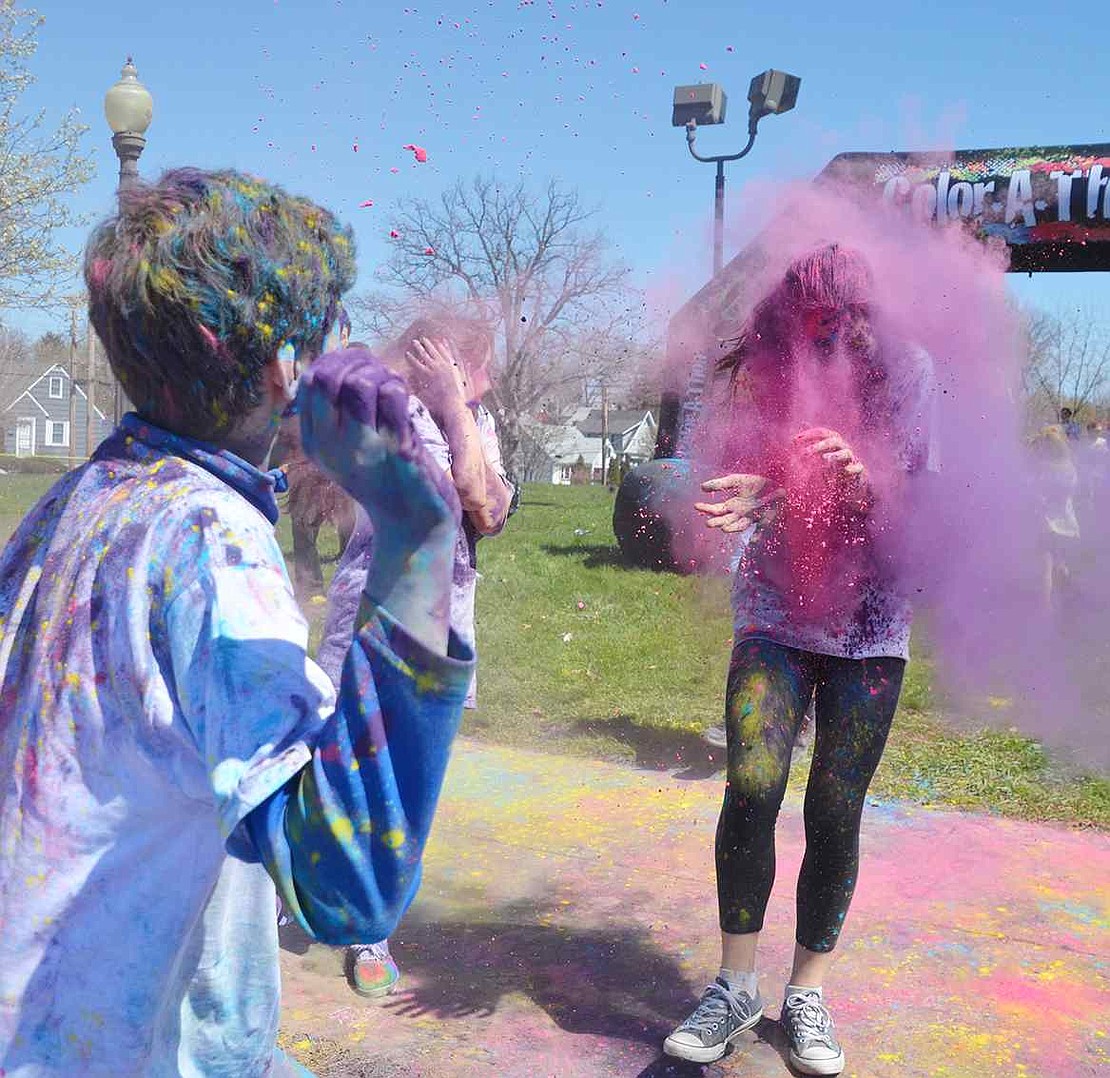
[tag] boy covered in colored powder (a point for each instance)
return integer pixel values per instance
(169, 753)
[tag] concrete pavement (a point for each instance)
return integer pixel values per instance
(567, 922)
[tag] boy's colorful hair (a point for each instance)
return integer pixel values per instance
(196, 283)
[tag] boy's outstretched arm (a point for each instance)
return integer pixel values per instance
(344, 838)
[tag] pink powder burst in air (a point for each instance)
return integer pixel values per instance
(394, 234)
(366, 205)
(964, 538)
(418, 152)
(704, 67)
(429, 251)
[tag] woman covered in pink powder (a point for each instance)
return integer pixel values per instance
(827, 413)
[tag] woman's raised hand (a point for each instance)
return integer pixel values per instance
(747, 501)
(832, 448)
(438, 379)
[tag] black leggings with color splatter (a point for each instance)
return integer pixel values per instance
(769, 689)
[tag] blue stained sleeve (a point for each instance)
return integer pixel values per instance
(343, 840)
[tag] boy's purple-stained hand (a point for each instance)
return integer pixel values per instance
(355, 425)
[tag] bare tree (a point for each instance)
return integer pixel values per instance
(39, 168)
(378, 315)
(544, 278)
(1068, 363)
(16, 365)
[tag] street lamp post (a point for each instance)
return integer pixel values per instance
(642, 518)
(128, 108)
(706, 103)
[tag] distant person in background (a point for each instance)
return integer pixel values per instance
(312, 499)
(1092, 460)
(446, 364)
(1072, 429)
(1058, 483)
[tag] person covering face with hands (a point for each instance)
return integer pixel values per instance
(817, 612)
(437, 360)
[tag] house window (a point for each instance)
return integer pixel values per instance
(57, 387)
(57, 433)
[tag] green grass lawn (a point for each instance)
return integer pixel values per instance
(17, 494)
(580, 654)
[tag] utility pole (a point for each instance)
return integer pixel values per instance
(90, 399)
(72, 383)
(604, 433)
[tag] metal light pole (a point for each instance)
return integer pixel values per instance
(128, 108)
(72, 379)
(90, 396)
(706, 103)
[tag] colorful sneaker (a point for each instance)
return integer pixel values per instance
(804, 738)
(371, 970)
(809, 1029)
(717, 736)
(720, 1017)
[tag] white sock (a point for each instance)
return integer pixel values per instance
(740, 982)
(791, 989)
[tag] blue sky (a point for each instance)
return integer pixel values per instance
(578, 91)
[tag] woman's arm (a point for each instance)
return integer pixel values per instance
(490, 517)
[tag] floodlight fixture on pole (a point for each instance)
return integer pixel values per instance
(706, 103)
(128, 108)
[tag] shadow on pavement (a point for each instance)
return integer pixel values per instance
(609, 981)
(683, 754)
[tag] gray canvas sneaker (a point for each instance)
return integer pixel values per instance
(809, 1029)
(717, 1020)
(717, 736)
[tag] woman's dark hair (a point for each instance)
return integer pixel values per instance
(831, 277)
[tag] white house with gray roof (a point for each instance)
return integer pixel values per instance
(37, 422)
